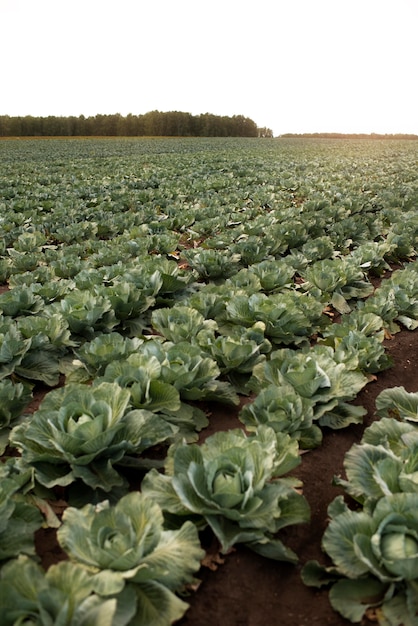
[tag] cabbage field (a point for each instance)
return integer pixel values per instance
(208, 388)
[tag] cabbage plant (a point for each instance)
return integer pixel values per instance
(385, 461)
(20, 301)
(284, 410)
(273, 275)
(237, 353)
(141, 375)
(358, 351)
(180, 323)
(289, 317)
(126, 548)
(315, 374)
(375, 560)
(191, 371)
(63, 595)
(94, 356)
(50, 344)
(232, 484)
(81, 432)
(336, 281)
(86, 313)
(212, 264)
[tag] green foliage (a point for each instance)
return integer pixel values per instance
(212, 264)
(375, 557)
(315, 374)
(163, 274)
(125, 547)
(289, 317)
(94, 356)
(63, 595)
(180, 323)
(80, 433)
(285, 410)
(398, 403)
(141, 375)
(14, 397)
(20, 301)
(19, 519)
(13, 347)
(231, 482)
(86, 313)
(337, 281)
(195, 375)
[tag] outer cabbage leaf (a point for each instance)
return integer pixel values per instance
(18, 520)
(398, 403)
(395, 436)
(372, 472)
(14, 397)
(13, 347)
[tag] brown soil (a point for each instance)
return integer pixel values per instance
(249, 590)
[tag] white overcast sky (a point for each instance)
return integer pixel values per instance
(290, 65)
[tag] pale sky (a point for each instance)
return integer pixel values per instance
(290, 65)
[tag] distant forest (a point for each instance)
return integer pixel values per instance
(348, 136)
(154, 124)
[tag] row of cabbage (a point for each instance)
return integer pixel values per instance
(374, 548)
(205, 293)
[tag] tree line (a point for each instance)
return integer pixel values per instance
(348, 136)
(154, 123)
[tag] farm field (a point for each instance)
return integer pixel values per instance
(205, 343)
